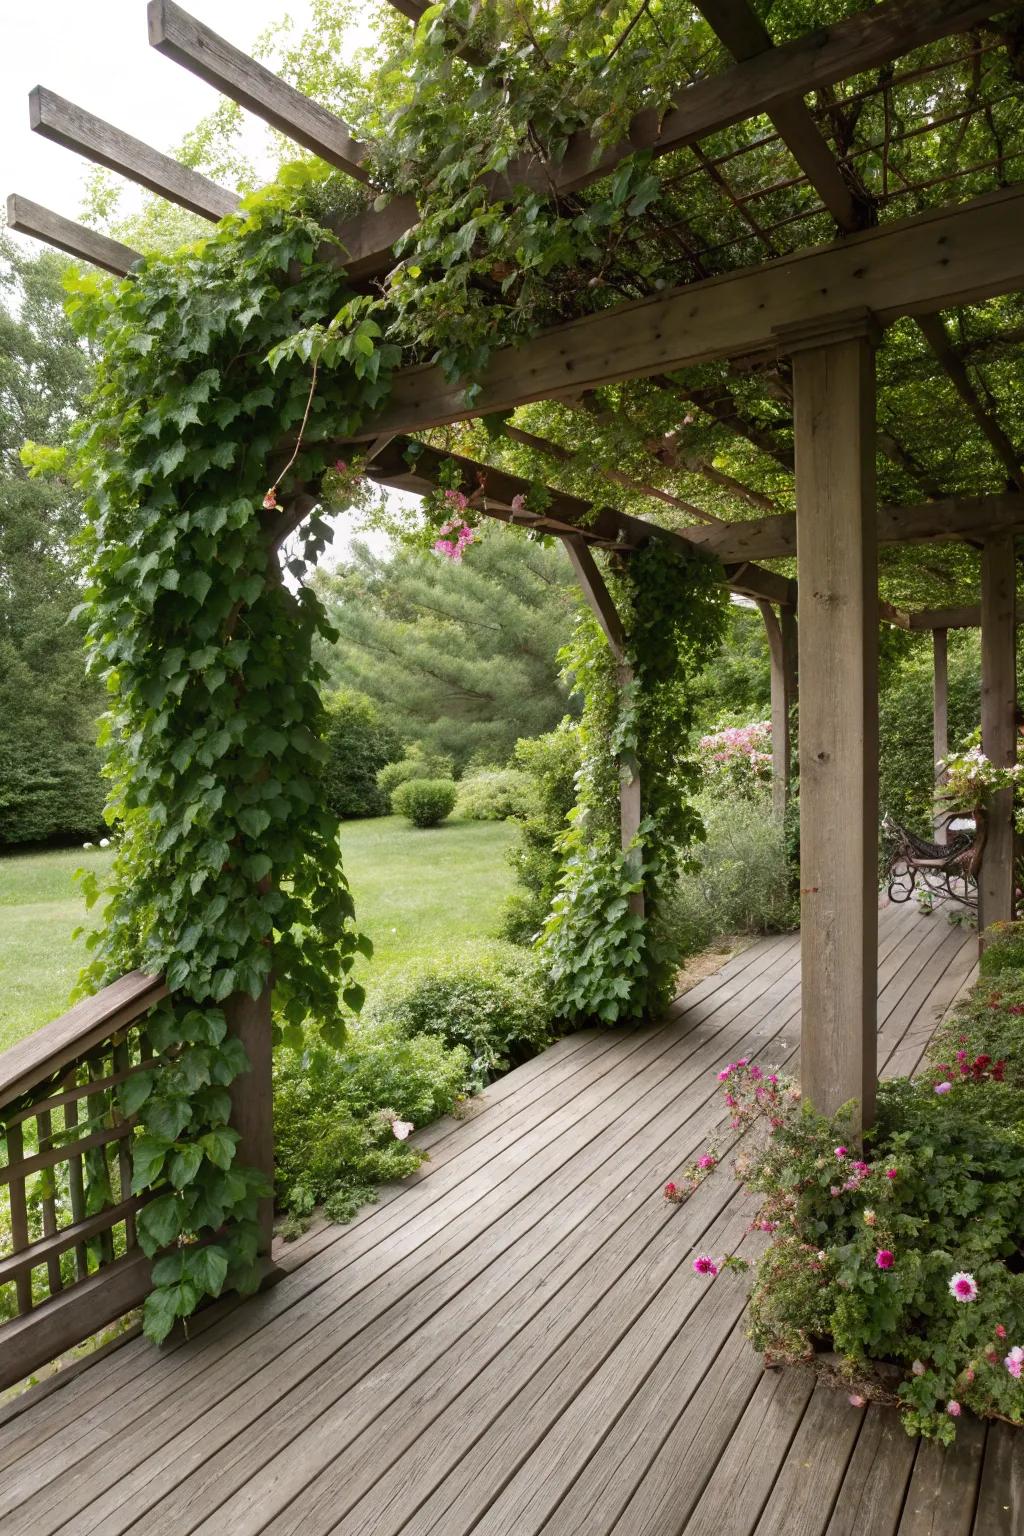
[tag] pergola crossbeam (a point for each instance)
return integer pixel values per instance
(74, 128)
(957, 517)
(28, 218)
(918, 265)
(197, 48)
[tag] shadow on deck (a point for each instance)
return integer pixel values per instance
(514, 1341)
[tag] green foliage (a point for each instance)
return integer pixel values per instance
(416, 764)
(463, 656)
(1004, 949)
(359, 744)
(738, 878)
(50, 786)
(229, 862)
(550, 763)
(906, 770)
(424, 802)
(865, 1253)
(334, 1113)
(494, 794)
(493, 999)
(605, 959)
(736, 685)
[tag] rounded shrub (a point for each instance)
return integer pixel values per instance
(494, 999)
(424, 802)
(494, 794)
(416, 764)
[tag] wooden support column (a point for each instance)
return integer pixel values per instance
(782, 648)
(252, 1097)
(940, 721)
(998, 720)
(834, 401)
(600, 600)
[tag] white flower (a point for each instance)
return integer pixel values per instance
(402, 1129)
(104, 842)
(88, 845)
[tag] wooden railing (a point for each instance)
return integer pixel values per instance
(69, 1261)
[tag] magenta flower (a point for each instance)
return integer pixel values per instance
(885, 1258)
(891, 1173)
(1000, 1331)
(943, 1087)
(705, 1265)
(1014, 1361)
(962, 1286)
(707, 1161)
(840, 1152)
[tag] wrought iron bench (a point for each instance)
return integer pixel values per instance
(946, 871)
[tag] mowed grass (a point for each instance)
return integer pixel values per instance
(419, 895)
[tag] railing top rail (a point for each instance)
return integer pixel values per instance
(94, 1019)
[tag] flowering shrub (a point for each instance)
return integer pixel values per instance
(740, 754)
(910, 1254)
(971, 777)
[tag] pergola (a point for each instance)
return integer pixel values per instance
(803, 314)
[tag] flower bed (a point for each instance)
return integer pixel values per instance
(900, 1271)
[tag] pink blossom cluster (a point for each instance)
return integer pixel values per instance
(690, 1179)
(740, 745)
(451, 547)
(751, 1092)
(982, 1069)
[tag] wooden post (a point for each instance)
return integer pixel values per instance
(998, 721)
(834, 399)
(603, 607)
(252, 1096)
(940, 722)
(782, 649)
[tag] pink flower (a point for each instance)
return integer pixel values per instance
(835, 1191)
(962, 1286)
(891, 1173)
(518, 504)
(671, 1190)
(856, 1400)
(953, 1408)
(943, 1087)
(724, 1074)
(341, 466)
(1014, 1361)
(870, 1218)
(885, 1258)
(402, 1129)
(707, 1161)
(705, 1265)
(1000, 1331)
(840, 1151)
(270, 500)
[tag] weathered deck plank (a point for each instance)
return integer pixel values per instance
(514, 1343)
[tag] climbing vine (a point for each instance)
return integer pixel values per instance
(228, 872)
(606, 959)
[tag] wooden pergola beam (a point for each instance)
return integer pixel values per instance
(74, 128)
(956, 517)
(756, 85)
(603, 527)
(197, 48)
(28, 218)
(914, 266)
(934, 331)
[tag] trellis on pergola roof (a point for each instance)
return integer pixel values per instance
(732, 296)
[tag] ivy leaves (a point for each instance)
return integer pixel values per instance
(228, 867)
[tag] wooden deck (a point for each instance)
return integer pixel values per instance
(514, 1342)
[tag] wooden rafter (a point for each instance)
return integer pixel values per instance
(964, 517)
(915, 266)
(742, 32)
(197, 48)
(72, 127)
(28, 218)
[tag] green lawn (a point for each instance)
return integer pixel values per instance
(418, 894)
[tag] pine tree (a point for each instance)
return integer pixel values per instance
(462, 657)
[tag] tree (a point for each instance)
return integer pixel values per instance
(462, 657)
(49, 768)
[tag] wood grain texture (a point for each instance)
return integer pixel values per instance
(911, 266)
(998, 721)
(834, 419)
(74, 128)
(179, 36)
(30, 218)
